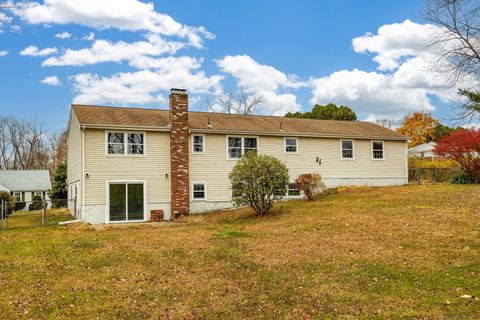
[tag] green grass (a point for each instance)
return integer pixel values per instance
(382, 253)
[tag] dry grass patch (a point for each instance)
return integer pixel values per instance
(399, 252)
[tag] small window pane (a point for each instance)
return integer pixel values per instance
(116, 149)
(235, 152)
(347, 145)
(377, 146)
(135, 149)
(115, 137)
(235, 142)
(136, 138)
(250, 143)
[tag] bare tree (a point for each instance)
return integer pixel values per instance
(22, 145)
(457, 44)
(387, 123)
(57, 150)
(244, 103)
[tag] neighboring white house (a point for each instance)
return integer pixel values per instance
(124, 163)
(25, 184)
(422, 151)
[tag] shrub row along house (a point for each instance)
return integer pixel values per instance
(130, 164)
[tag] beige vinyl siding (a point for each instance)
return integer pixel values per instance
(74, 150)
(151, 167)
(213, 167)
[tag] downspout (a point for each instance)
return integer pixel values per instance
(406, 160)
(82, 129)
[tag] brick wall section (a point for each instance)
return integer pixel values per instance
(179, 153)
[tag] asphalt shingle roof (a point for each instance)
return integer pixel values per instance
(25, 180)
(158, 118)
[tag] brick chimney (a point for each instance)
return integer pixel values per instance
(180, 181)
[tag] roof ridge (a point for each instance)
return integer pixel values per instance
(115, 107)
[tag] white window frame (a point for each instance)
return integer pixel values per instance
(19, 198)
(353, 149)
(285, 145)
(293, 197)
(38, 193)
(125, 144)
(204, 191)
(203, 143)
(107, 200)
(243, 145)
(383, 150)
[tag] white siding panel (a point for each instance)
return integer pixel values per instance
(151, 168)
(213, 166)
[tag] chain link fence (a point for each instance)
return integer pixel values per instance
(438, 175)
(35, 213)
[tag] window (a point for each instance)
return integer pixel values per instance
(197, 144)
(291, 145)
(347, 149)
(199, 191)
(125, 143)
(238, 146)
(18, 196)
(292, 190)
(38, 193)
(377, 150)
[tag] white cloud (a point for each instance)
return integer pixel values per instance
(63, 35)
(51, 81)
(105, 51)
(89, 37)
(131, 15)
(393, 42)
(146, 86)
(3, 53)
(405, 83)
(264, 79)
(34, 51)
(4, 19)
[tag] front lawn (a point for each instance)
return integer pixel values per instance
(394, 252)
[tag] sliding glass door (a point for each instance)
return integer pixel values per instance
(126, 201)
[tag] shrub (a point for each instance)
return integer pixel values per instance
(11, 201)
(462, 178)
(257, 180)
(311, 184)
(463, 146)
(20, 205)
(37, 203)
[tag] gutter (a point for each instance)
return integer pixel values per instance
(82, 129)
(298, 134)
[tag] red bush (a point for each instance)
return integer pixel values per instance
(462, 146)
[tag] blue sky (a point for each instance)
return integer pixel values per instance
(294, 53)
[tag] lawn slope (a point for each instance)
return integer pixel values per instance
(380, 253)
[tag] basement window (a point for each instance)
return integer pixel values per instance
(199, 191)
(292, 190)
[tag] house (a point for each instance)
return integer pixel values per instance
(25, 184)
(126, 163)
(422, 151)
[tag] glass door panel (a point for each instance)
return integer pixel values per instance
(118, 203)
(135, 201)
